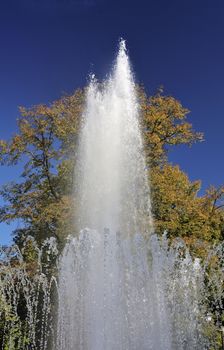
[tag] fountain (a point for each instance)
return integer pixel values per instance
(119, 286)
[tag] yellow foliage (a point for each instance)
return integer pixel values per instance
(47, 143)
(179, 210)
(164, 124)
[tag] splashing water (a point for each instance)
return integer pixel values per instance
(118, 288)
(117, 294)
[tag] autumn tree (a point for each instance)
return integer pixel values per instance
(179, 211)
(46, 145)
(177, 207)
(164, 124)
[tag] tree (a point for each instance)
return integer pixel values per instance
(46, 140)
(46, 145)
(179, 210)
(164, 124)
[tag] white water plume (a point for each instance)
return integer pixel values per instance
(117, 292)
(111, 176)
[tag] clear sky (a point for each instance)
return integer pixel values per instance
(49, 47)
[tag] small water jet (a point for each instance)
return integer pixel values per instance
(27, 291)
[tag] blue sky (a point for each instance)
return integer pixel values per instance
(49, 47)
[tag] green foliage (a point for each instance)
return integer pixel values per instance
(11, 327)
